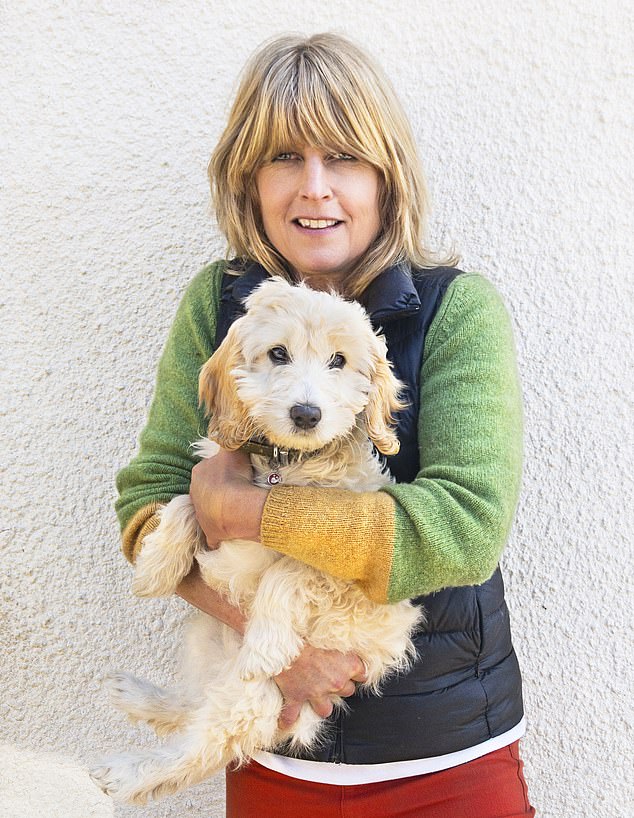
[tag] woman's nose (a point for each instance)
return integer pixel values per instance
(315, 183)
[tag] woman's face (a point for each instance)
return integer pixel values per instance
(320, 211)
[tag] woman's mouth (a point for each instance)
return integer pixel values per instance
(316, 224)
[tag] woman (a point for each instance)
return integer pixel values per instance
(316, 177)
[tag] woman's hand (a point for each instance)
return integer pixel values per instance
(316, 676)
(228, 506)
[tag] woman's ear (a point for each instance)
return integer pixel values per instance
(384, 402)
(228, 419)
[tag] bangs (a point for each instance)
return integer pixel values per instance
(311, 103)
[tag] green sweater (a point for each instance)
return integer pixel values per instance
(447, 528)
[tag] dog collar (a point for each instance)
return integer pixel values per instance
(277, 458)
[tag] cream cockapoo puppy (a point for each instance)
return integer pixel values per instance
(302, 371)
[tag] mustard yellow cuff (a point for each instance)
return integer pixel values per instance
(345, 533)
(144, 521)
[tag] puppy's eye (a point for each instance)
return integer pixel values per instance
(279, 356)
(337, 361)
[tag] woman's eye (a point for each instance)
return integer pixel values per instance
(337, 361)
(284, 156)
(279, 355)
(345, 157)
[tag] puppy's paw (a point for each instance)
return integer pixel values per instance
(134, 777)
(252, 665)
(118, 777)
(123, 690)
(156, 572)
(162, 710)
(167, 554)
(138, 698)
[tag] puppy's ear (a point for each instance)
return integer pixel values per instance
(384, 402)
(228, 419)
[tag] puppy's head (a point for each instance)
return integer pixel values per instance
(301, 368)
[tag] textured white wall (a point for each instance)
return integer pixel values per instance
(109, 113)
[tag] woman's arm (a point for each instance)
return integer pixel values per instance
(162, 466)
(194, 591)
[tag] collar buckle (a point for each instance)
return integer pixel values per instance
(275, 455)
(279, 458)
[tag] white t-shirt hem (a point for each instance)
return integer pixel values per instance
(322, 772)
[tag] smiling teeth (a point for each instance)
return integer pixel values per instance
(317, 224)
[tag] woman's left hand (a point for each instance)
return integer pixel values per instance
(227, 504)
(317, 676)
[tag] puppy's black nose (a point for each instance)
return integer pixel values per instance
(305, 416)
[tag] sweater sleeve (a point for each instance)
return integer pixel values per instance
(449, 526)
(162, 467)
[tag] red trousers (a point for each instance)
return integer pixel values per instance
(492, 786)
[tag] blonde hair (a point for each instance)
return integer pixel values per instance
(322, 91)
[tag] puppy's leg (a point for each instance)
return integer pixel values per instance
(207, 646)
(237, 718)
(278, 618)
(167, 554)
(133, 777)
(162, 710)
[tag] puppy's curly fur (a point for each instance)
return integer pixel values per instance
(293, 347)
